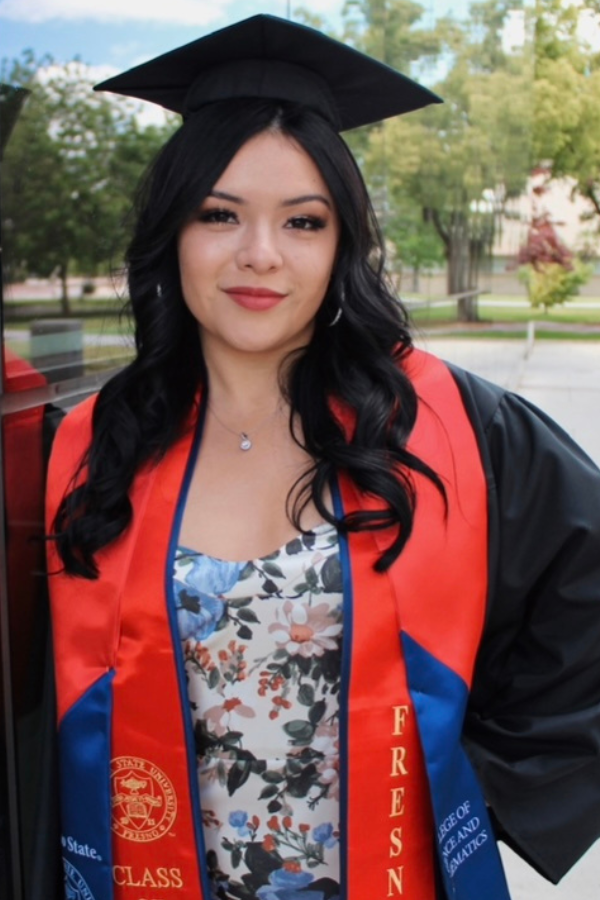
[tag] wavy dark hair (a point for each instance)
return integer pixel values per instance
(141, 411)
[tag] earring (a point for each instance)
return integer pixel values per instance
(159, 290)
(336, 318)
(340, 309)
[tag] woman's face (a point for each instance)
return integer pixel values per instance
(256, 258)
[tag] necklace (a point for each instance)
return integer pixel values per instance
(245, 440)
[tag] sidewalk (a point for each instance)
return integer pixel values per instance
(562, 378)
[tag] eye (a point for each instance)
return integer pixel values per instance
(306, 223)
(217, 216)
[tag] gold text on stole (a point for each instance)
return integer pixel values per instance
(399, 771)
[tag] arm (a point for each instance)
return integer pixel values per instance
(533, 725)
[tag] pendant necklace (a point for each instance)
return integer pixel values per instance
(244, 437)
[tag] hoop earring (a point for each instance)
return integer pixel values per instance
(336, 318)
(340, 309)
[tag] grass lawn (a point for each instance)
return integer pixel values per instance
(510, 311)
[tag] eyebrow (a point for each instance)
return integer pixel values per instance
(292, 201)
(306, 198)
(221, 195)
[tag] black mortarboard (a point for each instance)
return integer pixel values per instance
(265, 56)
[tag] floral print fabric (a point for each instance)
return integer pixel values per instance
(262, 651)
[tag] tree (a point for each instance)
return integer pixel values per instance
(389, 31)
(551, 284)
(543, 245)
(459, 162)
(566, 136)
(416, 246)
(68, 173)
(549, 269)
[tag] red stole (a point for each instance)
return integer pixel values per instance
(435, 591)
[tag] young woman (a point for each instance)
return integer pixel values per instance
(297, 565)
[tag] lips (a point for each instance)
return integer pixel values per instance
(254, 298)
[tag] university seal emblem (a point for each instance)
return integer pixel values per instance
(75, 886)
(144, 805)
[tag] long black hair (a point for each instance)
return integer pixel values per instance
(354, 365)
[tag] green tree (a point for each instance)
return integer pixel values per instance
(416, 245)
(458, 162)
(567, 96)
(390, 30)
(68, 173)
(305, 16)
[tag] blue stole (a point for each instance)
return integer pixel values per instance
(469, 859)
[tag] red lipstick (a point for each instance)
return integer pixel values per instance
(254, 298)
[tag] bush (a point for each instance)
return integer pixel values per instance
(551, 283)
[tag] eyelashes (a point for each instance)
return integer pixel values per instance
(306, 223)
(217, 216)
(224, 216)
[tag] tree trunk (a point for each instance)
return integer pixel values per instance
(461, 272)
(415, 279)
(65, 305)
(461, 275)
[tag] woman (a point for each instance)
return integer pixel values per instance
(285, 541)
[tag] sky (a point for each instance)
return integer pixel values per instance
(114, 35)
(118, 34)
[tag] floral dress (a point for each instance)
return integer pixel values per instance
(262, 651)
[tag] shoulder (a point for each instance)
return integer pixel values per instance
(452, 397)
(429, 373)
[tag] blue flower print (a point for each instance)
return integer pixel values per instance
(238, 820)
(197, 595)
(212, 576)
(197, 614)
(323, 834)
(288, 885)
(284, 878)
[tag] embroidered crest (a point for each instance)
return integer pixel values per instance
(75, 886)
(144, 805)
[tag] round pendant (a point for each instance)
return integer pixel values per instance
(245, 443)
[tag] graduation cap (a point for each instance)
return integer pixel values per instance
(265, 56)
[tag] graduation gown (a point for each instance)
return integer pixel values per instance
(483, 635)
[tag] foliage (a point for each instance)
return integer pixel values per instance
(416, 246)
(550, 283)
(566, 134)
(549, 269)
(69, 172)
(304, 16)
(543, 246)
(389, 30)
(457, 163)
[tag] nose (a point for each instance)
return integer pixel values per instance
(259, 249)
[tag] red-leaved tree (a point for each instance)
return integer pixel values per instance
(543, 246)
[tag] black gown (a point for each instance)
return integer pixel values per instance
(533, 723)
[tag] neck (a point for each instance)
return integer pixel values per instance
(243, 385)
